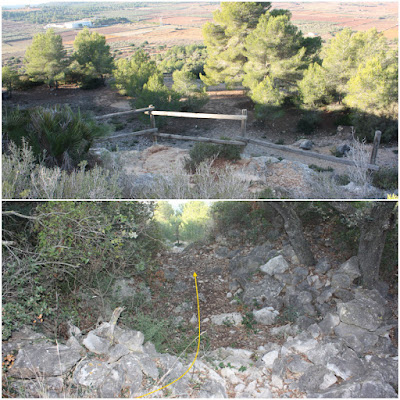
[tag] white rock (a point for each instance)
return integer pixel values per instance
(270, 357)
(239, 388)
(265, 316)
(277, 382)
(227, 319)
(229, 374)
(329, 380)
(277, 265)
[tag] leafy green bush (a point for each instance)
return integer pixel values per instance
(199, 153)
(204, 151)
(308, 123)
(366, 125)
(69, 247)
(24, 296)
(386, 178)
(59, 135)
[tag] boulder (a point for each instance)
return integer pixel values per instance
(269, 358)
(316, 378)
(342, 149)
(340, 280)
(44, 360)
(306, 144)
(365, 313)
(91, 374)
(323, 266)
(97, 344)
(265, 316)
(132, 340)
(347, 365)
(266, 292)
(229, 319)
(276, 265)
(351, 268)
(133, 374)
(128, 289)
(365, 387)
(320, 354)
(358, 339)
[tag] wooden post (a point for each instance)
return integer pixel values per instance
(375, 147)
(244, 112)
(152, 123)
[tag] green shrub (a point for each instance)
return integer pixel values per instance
(343, 118)
(201, 152)
(320, 169)
(58, 135)
(366, 124)
(386, 178)
(308, 123)
(24, 296)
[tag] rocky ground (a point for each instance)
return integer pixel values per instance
(270, 327)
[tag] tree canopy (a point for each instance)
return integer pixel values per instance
(131, 75)
(225, 41)
(45, 57)
(93, 54)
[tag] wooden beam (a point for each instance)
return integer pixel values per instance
(309, 153)
(375, 147)
(139, 110)
(138, 133)
(244, 112)
(200, 139)
(199, 115)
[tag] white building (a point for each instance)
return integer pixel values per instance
(71, 25)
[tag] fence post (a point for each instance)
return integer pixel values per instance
(375, 147)
(244, 112)
(152, 123)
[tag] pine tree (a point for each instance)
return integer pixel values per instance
(92, 54)
(10, 78)
(225, 41)
(374, 87)
(276, 59)
(131, 75)
(313, 87)
(341, 60)
(45, 58)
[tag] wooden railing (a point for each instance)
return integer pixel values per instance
(238, 141)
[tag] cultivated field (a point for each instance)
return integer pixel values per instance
(181, 24)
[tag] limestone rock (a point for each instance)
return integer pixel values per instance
(265, 292)
(269, 358)
(351, 268)
(265, 316)
(358, 339)
(44, 359)
(277, 265)
(314, 378)
(96, 344)
(366, 314)
(347, 365)
(227, 319)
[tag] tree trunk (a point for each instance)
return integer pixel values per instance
(372, 241)
(294, 230)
